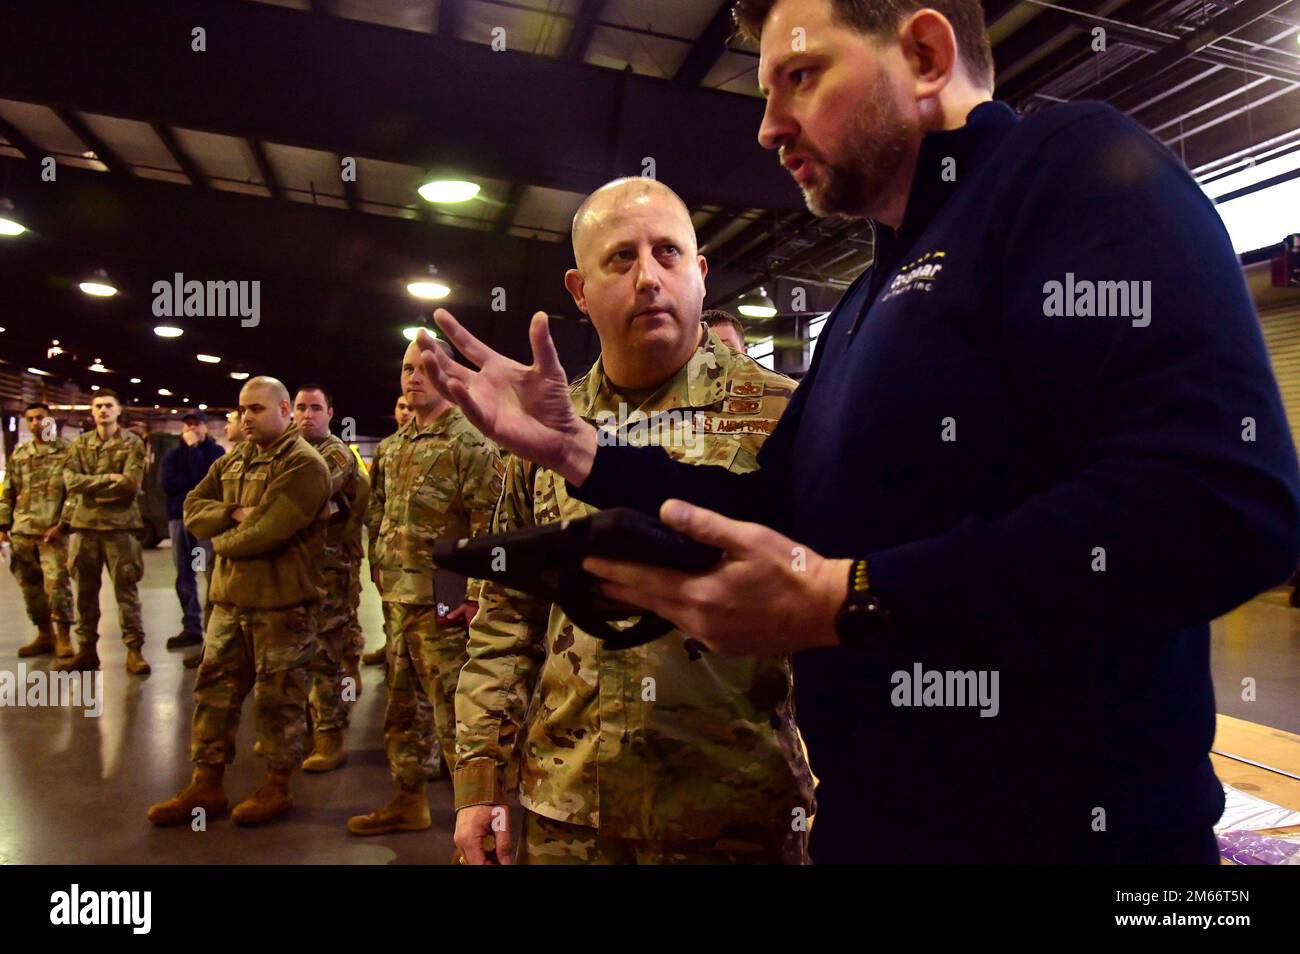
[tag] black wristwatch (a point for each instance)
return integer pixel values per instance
(862, 621)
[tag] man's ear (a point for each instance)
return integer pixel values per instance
(576, 285)
(704, 266)
(930, 48)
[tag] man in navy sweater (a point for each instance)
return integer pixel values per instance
(1039, 448)
(183, 467)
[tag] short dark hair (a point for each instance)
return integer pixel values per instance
(105, 392)
(313, 386)
(881, 16)
(37, 404)
(716, 316)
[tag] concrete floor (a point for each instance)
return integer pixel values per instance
(73, 790)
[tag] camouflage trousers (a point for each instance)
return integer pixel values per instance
(120, 550)
(356, 643)
(42, 572)
(267, 652)
(331, 697)
(550, 842)
(424, 663)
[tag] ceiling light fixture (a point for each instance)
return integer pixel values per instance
(167, 331)
(208, 358)
(428, 288)
(135, 380)
(448, 191)
(98, 285)
(757, 305)
(163, 392)
(9, 224)
(239, 375)
(44, 374)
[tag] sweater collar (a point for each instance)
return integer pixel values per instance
(947, 159)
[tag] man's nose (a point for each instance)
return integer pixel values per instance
(647, 273)
(777, 128)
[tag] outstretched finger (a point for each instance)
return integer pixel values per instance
(544, 354)
(465, 342)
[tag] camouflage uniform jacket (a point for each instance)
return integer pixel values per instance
(272, 558)
(33, 495)
(432, 482)
(341, 519)
(93, 501)
(374, 516)
(665, 741)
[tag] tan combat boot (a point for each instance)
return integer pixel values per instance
(85, 660)
(63, 641)
(270, 801)
(375, 658)
(408, 811)
(327, 752)
(204, 791)
(41, 645)
(135, 663)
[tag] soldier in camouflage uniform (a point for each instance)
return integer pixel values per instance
(663, 753)
(103, 473)
(330, 699)
(263, 506)
(440, 478)
(355, 644)
(29, 519)
(401, 414)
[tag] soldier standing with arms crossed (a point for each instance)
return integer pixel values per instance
(29, 520)
(263, 507)
(103, 473)
(441, 478)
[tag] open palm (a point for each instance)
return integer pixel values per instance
(524, 408)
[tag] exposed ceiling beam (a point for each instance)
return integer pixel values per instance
(1149, 67)
(509, 209)
(265, 169)
(708, 48)
(18, 138)
(101, 149)
(179, 155)
(387, 94)
(451, 14)
(580, 33)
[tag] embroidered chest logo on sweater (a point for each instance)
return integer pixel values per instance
(918, 276)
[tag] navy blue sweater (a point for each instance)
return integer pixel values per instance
(1059, 496)
(182, 469)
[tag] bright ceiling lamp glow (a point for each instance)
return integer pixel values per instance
(203, 407)
(167, 331)
(757, 305)
(9, 224)
(135, 380)
(98, 366)
(445, 191)
(98, 285)
(410, 333)
(428, 289)
(163, 392)
(1262, 218)
(1288, 162)
(94, 387)
(44, 374)
(239, 375)
(208, 358)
